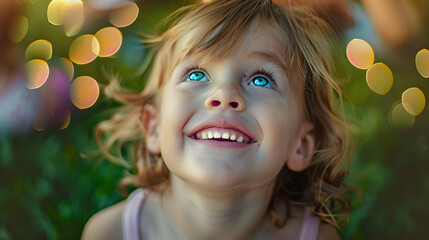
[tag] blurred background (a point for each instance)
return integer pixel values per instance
(56, 57)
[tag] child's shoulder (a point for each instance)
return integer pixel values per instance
(105, 224)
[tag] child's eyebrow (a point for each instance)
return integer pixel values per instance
(269, 57)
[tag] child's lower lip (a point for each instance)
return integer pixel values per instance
(221, 144)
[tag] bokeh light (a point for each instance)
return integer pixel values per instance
(84, 92)
(84, 49)
(69, 13)
(66, 121)
(41, 49)
(414, 100)
(72, 17)
(54, 11)
(360, 54)
(18, 29)
(68, 67)
(110, 39)
(399, 117)
(37, 72)
(124, 15)
(422, 62)
(379, 78)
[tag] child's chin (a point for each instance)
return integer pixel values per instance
(214, 181)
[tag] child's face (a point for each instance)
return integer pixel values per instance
(246, 97)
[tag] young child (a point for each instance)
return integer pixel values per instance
(236, 134)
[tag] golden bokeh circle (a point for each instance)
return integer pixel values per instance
(414, 101)
(72, 16)
(54, 12)
(124, 15)
(39, 49)
(84, 92)
(422, 62)
(110, 39)
(379, 78)
(84, 49)
(18, 29)
(399, 117)
(360, 53)
(37, 72)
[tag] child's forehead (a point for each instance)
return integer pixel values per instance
(207, 38)
(262, 39)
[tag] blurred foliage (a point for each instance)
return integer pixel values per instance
(48, 189)
(390, 164)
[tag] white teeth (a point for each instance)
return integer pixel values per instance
(216, 135)
(223, 135)
(233, 137)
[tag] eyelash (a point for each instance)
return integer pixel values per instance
(189, 69)
(266, 73)
(270, 75)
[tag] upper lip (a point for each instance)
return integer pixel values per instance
(224, 123)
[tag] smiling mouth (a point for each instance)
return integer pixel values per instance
(223, 135)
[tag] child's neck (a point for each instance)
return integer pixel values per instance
(234, 214)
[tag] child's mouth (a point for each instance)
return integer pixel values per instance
(222, 135)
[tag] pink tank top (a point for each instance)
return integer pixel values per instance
(131, 217)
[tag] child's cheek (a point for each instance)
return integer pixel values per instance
(280, 126)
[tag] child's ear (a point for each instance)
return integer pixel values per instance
(302, 153)
(149, 125)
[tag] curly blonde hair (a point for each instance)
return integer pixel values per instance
(219, 27)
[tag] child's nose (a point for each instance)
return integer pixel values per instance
(225, 98)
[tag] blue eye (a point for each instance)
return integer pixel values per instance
(197, 76)
(260, 82)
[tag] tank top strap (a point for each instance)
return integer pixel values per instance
(131, 215)
(310, 225)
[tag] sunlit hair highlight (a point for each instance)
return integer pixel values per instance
(218, 28)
